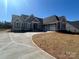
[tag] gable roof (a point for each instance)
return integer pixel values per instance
(62, 18)
(15, 18)
(33, 18)
(26, 18)
(50, 20)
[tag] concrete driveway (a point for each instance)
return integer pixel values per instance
(20, 46)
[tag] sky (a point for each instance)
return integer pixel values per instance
(40, 8)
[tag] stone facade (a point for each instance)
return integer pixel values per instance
(32, 23)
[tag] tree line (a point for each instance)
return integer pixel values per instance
(5, 25)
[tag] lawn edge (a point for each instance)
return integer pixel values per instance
(43, 50)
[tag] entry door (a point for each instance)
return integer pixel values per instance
(35, 27)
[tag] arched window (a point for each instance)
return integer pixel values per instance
(16, 25)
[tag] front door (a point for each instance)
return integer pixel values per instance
(35, 27)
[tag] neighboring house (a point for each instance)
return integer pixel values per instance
(32, 23)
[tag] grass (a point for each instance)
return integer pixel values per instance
(59, 45)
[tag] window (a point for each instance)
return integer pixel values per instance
(25, 25)
(16, 25)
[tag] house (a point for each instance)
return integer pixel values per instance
(32, 23)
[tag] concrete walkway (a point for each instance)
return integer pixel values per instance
(20, 46)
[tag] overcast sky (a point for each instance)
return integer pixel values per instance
(40, 8)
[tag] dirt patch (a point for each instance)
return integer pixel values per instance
(59, 45)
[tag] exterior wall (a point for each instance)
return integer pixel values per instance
(16, 23)
(71, 28)
(29, 26)
(62, 26)
(36, 26)
(62, 21)
(26, 26)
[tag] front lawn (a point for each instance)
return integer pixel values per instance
(59, 45)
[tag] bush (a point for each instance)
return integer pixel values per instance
(5, 25)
